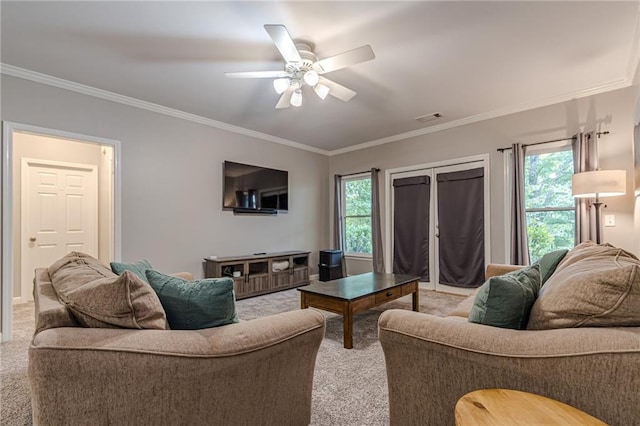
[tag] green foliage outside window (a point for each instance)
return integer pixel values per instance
(549, 203)
(357, 205)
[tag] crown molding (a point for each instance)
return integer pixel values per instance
(632, 67)
(37, 77)
(634, 55)
(607, 87)
(149, 106)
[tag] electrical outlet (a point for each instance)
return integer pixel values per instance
(609, 220)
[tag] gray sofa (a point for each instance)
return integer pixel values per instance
(247, 373)
(431, 362)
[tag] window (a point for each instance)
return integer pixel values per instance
(549, 205)
(357, 214)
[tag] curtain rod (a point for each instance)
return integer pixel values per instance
(539, 143)
(555, 140)
(359, 173)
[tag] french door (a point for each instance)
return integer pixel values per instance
(439, 224)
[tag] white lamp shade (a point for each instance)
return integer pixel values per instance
(321, 90)
(296, 98)
(281, 84)
(311, 78)
(599, 183)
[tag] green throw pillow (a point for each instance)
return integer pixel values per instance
(137, 268)
(505, 301)
(192, 305)
(548, 264)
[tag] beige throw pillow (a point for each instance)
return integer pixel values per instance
(589, 249)
(594, 286)
(99, 298)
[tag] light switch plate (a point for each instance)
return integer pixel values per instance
(609, 220)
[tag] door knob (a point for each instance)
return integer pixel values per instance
(32, 239)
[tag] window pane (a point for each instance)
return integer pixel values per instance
(549, 231)
(357, 196)
(358, 234)
(548, 180)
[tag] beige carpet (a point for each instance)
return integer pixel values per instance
(350, 386)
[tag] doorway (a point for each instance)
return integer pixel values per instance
(59, 214)
(448, 222)
(60, 192)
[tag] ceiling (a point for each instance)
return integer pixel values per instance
(465, 60)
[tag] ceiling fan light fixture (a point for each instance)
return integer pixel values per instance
(296, 98)
(311, 78)
(321, 90)
(302, 68)
(281, 84)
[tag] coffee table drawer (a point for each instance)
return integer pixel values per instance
(388, 295)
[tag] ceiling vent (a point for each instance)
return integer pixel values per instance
(428, 117)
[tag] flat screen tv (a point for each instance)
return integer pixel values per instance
(248, 187)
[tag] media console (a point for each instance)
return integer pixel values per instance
(262, 273)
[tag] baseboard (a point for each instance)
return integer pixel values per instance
(445, 289)
(314, 277)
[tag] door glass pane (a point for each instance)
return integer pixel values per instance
(548, 231)
(411, 221)
(358, 234)
(461, 244)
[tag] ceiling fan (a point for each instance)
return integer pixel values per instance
(302, 68)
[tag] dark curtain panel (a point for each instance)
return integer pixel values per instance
(411, 226)
(461, 227)
(519, 239)
(376, 228)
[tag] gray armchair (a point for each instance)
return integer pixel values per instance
(431, 362)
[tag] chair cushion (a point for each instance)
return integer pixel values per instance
(192, 305)
(98, 298)
(505, 300)
(594, 286)
(137, 267)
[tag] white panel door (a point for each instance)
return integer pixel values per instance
(59, 214)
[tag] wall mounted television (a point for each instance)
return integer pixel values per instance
(249, 188)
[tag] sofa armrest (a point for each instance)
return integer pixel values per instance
(431, 362)
(250, 372)
(494, 269)
(188, 276)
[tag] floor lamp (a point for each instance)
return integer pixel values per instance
(599, 184)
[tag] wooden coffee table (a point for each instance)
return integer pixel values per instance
(357, 293)
(491, 407)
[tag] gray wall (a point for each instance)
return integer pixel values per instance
(612, 111)
(172, 179)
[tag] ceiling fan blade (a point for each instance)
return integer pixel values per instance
(258, 74)
(346, 59)
(285, 99)
(337, 90)
(283, 42)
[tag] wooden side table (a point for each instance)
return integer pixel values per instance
(514, 408)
